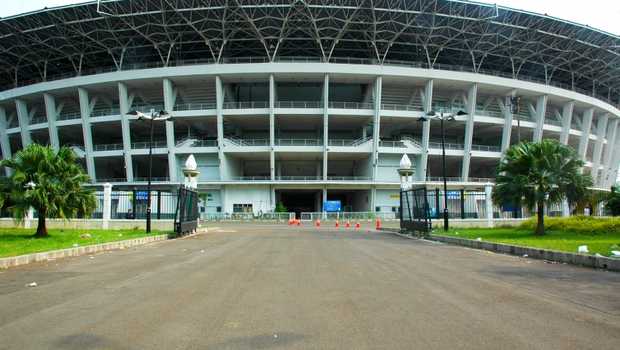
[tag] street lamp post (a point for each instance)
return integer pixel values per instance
(152, 118)
(443, 117)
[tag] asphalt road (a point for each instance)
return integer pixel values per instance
(275, 287)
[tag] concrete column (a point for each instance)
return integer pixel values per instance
(612, 134)
(586, 124)
(376, 126)
(52, 113)
(272, 127)
(5, 145)
(170, 95)
(373, 199)
(219, 98)
(324, 196)
(125, 102)
(508, 117)
(541, 111)
(86, 108)
(567, 118)
(426, 130)
(601, 128)
(614, 164)
(488, 191)
(24, 122)
(472, 96)
(107, 205)
(325, 124)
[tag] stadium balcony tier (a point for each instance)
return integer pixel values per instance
(304, 101)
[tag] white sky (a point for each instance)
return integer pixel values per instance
(601, 14)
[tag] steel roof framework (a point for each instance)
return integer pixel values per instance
(75, 39)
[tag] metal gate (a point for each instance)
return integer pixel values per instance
(186, 215)
(415, 213)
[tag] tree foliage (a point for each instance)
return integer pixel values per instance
(613, 201)
(50, 182)
(538, 174)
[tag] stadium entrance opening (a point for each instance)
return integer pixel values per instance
(298, 201)
(352, 200)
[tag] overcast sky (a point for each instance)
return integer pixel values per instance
(602, 14)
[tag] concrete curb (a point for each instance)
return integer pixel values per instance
(12, 261)
(535, 253)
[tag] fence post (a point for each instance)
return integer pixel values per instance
(158, 205)
(107, 205)
(488, 191)
(463, 204)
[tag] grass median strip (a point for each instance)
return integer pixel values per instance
(14, 241)
(566, 241)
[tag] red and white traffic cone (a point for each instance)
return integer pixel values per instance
(317, 223)
(357, 226)
(337, 224)
(348, 224)
(378, 224)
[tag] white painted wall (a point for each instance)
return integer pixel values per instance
(258, 196)
(386, 199)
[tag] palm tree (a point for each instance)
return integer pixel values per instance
(535, 174)
(50, 182)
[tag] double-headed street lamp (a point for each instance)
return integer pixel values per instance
(153, 117)
(441, 116)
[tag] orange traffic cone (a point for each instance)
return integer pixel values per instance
(378, 224)
(317, 223)
(337, 224)
(348, 224)
(298, 222)
(357, 226)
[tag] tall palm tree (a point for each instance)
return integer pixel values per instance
(539, 174)
(50, 182)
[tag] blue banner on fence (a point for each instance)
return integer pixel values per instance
(331, 206)
(142, 195)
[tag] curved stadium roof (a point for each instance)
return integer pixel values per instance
(77, 39)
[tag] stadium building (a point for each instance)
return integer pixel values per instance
(301, 101)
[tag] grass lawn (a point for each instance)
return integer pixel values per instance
(16, 241)
(560, 240)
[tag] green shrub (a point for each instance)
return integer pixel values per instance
(578, 224)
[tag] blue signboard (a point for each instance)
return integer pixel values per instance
(331, 206)
(142, 195)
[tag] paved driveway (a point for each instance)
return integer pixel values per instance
(275, 287)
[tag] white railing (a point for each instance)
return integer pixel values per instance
(153, 179)
(392, 144)
(69, 116)
(343, 216)
(251, 178)
(485, 148)
(299, 142)
(298, 178)
(146, 145)
(104, 112)
(351, 105)
(245, 105)
(400, 107)
(349, 178)
(299, 104)
(40, 119)
(247, 142)
(195, 106)
(348, 142)
(108, 147)
(190, 142)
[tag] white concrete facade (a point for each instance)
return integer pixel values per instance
(250, 150)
